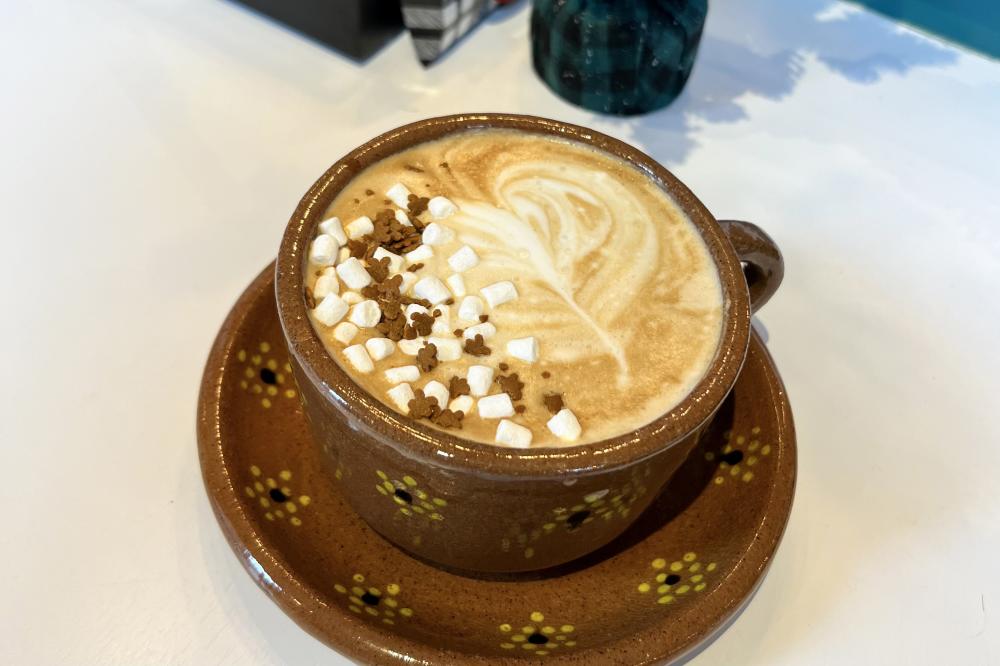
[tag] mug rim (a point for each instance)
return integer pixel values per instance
(415, 439)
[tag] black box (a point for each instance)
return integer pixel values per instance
(357, 28)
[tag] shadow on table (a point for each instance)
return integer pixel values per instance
(760, 48)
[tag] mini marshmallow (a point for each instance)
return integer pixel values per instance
(411, 347)
(353, 273)
(406, 373)
(432, 289)
(323, 250)
(344, 332)
(457, 285)
(343, 255)
(436, 234)
(358, 357)
(403, 219)
(409, 279)
(486, 329)
(352, 297)
(399, 195)
(365, 314)
(442, 323)
(525, 349)
(330, 310)
(327, 283)
(479, 377)
(379, 348)
(499, 293)
(440, 208)
(512, 434)
(495, 406)
(412, 309)
(470, 309)
(462, 403)
(360, 227)
(422, 253)
(395, 261)
(463, 259)
(438, 391)
(448, 349)
(401, 395)
(565, 426)
(333, 228)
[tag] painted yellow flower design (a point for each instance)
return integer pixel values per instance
(739, 455)
(411, 500)
(265, 375)
(673, 580)
(275, 496)
(538, 637)
(366, 599)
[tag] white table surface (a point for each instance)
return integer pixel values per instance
(150, 153)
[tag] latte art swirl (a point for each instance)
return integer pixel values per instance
(601, 273)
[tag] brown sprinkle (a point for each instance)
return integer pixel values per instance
(427, 357)
(458, 332)
(379, 269)
(450, 301)
(387, 202)
(369, 192)
(511, 385)
(414, 268)
(448, 419)
(357, 247)
(458, 386)
(422, 323)
(414, 168)
(416, 205)
(520, 409)
(477, 347)
(357, 201)
(422, 406)
(504, 367)
(483, 318)
(553, 402)
(546, 374)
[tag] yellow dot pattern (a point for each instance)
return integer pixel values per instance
(373, 601)
(687, 574)
(268, 385)
(537, 638)
(753, 451)
(410, 499)
(265, 488)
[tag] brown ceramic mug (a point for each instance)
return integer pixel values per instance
(485, 508)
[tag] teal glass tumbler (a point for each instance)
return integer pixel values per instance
(621, 57)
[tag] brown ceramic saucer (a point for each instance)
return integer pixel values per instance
(659, 592)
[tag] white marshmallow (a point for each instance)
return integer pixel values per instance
(352, 297)
(327, 283)
(401, 395)
(406, 373)
(399, 195)
(432, 289)
(470, 308)
(565, 426)
(457, 285)
(395, 261)
(365, 314)
(333, 228)
(463, 259)
(442, 323)
(330, 310)
(360, 227)
(358, 357)
(323, 250)
(379, 348)
(412, 309)
(448, 349)
(353, 273)
(462, 403)
(409, 279)
(486, 329)
(440, 207)
(411, 347)
(436, 234)
(344, 332)
(422, 253)
(525, 349)
(403, 219)
(479, 377)
(438, 391)
(499, 293)
(343, 255)
(495, 406)
(512, 434)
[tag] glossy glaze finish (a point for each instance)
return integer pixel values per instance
(309, 561)
(492, 492)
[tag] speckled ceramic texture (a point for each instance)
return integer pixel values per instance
(469, 505)
(670, 583)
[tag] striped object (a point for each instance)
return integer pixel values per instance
(437, 24)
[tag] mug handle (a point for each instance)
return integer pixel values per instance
(763, 266)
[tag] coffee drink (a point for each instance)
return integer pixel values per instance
(516, 289)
